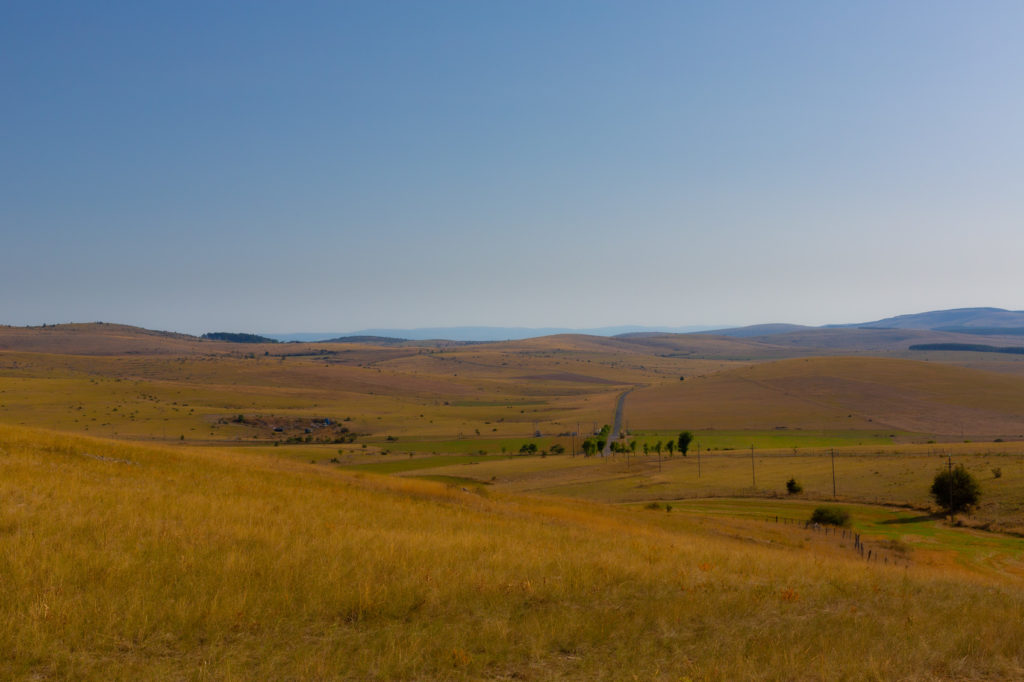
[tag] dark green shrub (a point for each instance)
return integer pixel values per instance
(831, 516)
(792, 487)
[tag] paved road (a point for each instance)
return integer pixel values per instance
(617, 426)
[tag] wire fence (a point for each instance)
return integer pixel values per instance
(870, 552)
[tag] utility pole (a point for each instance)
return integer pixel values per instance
(833, 473)
(949, 463)
(753, 479)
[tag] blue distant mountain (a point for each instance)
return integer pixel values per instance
(983, 321)
(482, 333)
(978, 321)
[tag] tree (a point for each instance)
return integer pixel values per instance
(955, 490)
(657, 447)
(589, 447)
(671, 445)
(793, 487)
(632, 446)
(647, 448)
(685, 438)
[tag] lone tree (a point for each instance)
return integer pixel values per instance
(955, 489)
(685, 438)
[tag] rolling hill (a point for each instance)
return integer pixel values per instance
(964, 320)
(839, 393)
(99, 338)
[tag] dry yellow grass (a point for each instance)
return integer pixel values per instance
(839, 394)
(384, 391)
(126, 562)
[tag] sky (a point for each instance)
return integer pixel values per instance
(333, 166)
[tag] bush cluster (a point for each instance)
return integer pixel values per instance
(832, 516)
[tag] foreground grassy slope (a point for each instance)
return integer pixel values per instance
(127, 562)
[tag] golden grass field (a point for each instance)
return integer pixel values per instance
(126, 561)
(172, 508)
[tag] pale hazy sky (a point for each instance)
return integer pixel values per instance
(332, 166)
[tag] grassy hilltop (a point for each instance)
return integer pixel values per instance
(173, 507)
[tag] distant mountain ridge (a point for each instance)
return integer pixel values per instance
(978, 321)
(985, 321)
(957, 320)
(375, 340)
(483, 333)
(760, 330)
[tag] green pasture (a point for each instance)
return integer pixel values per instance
(910, 530)
(778, 439)
(456, 481)
(391, 464)
(496, 403)
(471, 446)
(857, 477)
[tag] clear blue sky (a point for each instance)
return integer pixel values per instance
(276, 167)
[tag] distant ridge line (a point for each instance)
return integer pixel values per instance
(483, 333)
(382, 340)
